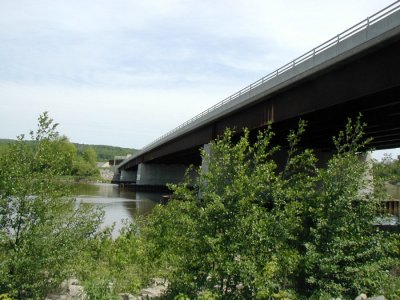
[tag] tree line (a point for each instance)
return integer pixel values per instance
(80, 159)
(104, 153)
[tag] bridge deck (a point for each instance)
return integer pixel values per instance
(357, 70)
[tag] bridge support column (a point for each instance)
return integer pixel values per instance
(160, 174)
(323, 157)
(128, 175)
(368, 175)
(204, 164)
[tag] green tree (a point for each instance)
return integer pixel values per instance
(84, 166)
(252, 229)
(345, 253)
(42, 229)
(388, 169)
(68, 151)
(90, 156)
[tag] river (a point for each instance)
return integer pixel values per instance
(118, 204)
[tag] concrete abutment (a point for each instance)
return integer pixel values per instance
(128, 176)
(160, 174)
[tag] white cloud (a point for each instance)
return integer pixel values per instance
(102, 116)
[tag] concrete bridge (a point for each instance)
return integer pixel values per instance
(357, 71)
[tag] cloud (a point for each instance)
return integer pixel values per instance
(125, 71)
(102, 116)
(116, 42)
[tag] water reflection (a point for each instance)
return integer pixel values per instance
(118, 204)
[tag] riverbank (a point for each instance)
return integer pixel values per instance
(73, 290)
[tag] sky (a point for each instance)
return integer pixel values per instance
(124, 72)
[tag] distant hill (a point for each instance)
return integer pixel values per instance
(104, 153)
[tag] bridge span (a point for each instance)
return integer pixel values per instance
(357, 71)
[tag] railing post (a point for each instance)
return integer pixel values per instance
(313, 56)
(337, 44)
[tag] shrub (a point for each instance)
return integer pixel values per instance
(42, 229)
(253, 229)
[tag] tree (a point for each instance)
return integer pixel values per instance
(345, 252)
(90, 156)
(68, 151)
(85, 165)
(251, 229)
(388, 169)
(42, 228)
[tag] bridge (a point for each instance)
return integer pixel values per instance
(357, 71)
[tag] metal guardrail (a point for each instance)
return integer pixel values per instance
(310, 54)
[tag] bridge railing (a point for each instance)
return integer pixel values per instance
(308, 55)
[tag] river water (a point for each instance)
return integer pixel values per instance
(118, 204)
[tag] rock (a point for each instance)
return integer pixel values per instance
(159, 281)
(69, 290)
(157, 289)
(365, 297)
(76, 292)
(153, 292)
(126, 296)
(73, 281)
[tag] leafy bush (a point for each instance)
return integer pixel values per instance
(388, 169)
(252, 229)
(100, 290)
(42, 229)
(115, 262)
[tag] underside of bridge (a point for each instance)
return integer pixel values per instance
(366, 83)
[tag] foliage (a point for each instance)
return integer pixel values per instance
(42, 230)
(249, 229)
(253, 229)
(113, 265)
(80, 160)
(85, 166)
(388, 169)
(4, 145)
(104, 153)
(80, 165)
(100, 290)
